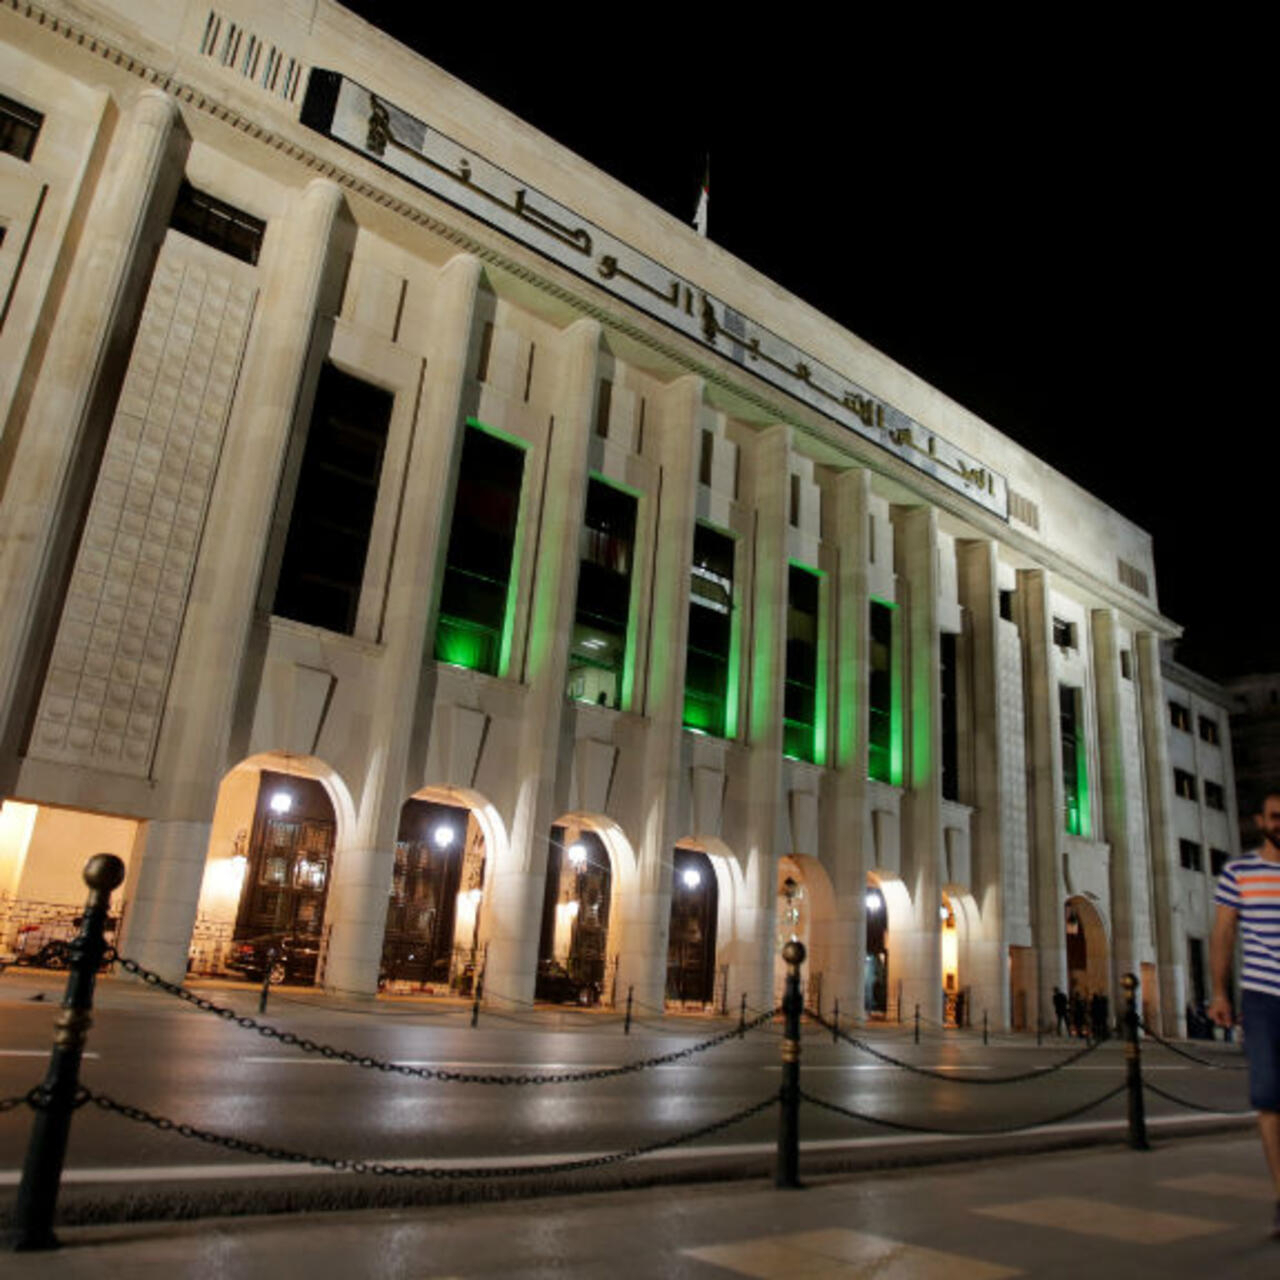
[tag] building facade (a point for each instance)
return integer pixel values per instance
(414, 542)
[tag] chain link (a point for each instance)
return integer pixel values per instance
(284, 1155)
(11, 1104)
(916, 1128)
(1192, 1106)
(1034, 1074)
(1191, 1057)
(370, 1063)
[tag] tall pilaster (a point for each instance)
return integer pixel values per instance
(1170, 931)
(918, 948)
(1116, 789)
(1045, 821)
(365, 856)
(514, 897)
(985, 972)
(165, 880)
(65, 428)
(643, 961)
(846, 825)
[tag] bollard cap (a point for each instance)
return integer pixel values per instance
(794, 952)
(1129, 982)
(104, 872)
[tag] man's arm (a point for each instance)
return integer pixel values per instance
(1222, 945)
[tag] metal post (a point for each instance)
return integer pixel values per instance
(1133, 1066)
(787, 1173)
(742, 1018)
(917, 1024)
(835, 1023)
(899, 1002)
(626, 1026)
(477, 986)
(984, 1026)
(47, 1147)
(266, 980)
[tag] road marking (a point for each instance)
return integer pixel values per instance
(280, 1169)
(433, 1063)
(839, 1254)
(1103, 1218)
(35, 1053)
(1232, 1185)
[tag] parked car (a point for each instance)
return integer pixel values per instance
(557, 985)
(286, 957)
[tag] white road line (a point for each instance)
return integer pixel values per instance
(34, 1053)
(221, 1172)
(436, 1064)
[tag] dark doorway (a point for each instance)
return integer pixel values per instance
(573, 951)
(876, 975)
(290, 859)
(691, 944)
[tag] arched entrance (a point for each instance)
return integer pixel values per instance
(876, 977)
(437, 884)
(953, 1012)
(1087, 959)
(691, 941)
(573, 958)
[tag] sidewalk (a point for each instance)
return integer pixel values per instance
(1192, 1208)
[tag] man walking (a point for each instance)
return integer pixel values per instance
(1248, 895)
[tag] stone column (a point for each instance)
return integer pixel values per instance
(514, 897)
(647, 922)
(918, 950)
(365, 855)
(1045, 821)
(980, 596)
(754, 814)
(1170, 927)
(57, 454)
(1115, 793)
(193, 746)
(846, 823)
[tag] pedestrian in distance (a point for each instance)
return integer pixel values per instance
(1248, 899)
(1060, 1011)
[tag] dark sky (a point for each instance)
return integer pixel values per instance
(1059, 226)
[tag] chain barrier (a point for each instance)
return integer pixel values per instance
(10, 1104)
(1033, 1074)
(370, 1063)
(1192, 1106)
(1191, 1057)
(915, 1128)
(338, 1164)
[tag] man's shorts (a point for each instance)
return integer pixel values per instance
(1262, 1046)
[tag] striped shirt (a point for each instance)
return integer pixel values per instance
(1251, 887)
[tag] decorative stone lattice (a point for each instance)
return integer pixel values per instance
(109, 673)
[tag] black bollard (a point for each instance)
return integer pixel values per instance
(626, 1026)
(266, 980)
(787, 1174)
(984, 1026)
(835, 1023)
(1133, 1066)
(47, 1147)
(742, 1018)
(917, 1024)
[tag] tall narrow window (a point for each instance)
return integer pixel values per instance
(598, 667)
(1075, 787)
(476, 603)
(885, 748)
(333, 505)
(19, 128)
(950, 721)
(708, 670)
(802, 708)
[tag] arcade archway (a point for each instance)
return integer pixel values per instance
(574, 965)
(691, 939)
(1088, 963)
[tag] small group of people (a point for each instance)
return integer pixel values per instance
(1088, 1017)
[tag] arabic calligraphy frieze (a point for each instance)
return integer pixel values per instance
(354, 116)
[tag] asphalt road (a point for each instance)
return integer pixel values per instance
(148, 1050)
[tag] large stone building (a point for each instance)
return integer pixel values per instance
(412, 540)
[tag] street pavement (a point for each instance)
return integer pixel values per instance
(1193, 1208)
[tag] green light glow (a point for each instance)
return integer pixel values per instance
(823, 690)
(464, 644)
(732, 695)
(885, 751)
(1082, 792)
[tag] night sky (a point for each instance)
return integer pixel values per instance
(1059, 226)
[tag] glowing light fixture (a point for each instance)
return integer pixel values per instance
(874, 901)
(443, 835)
(692, 878)
(578, 855)
(281, 802)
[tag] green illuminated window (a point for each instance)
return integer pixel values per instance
(709, 683)
(1075, 779)
(598, 654)
(476, 599)
(884, 762)
(801, 703)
